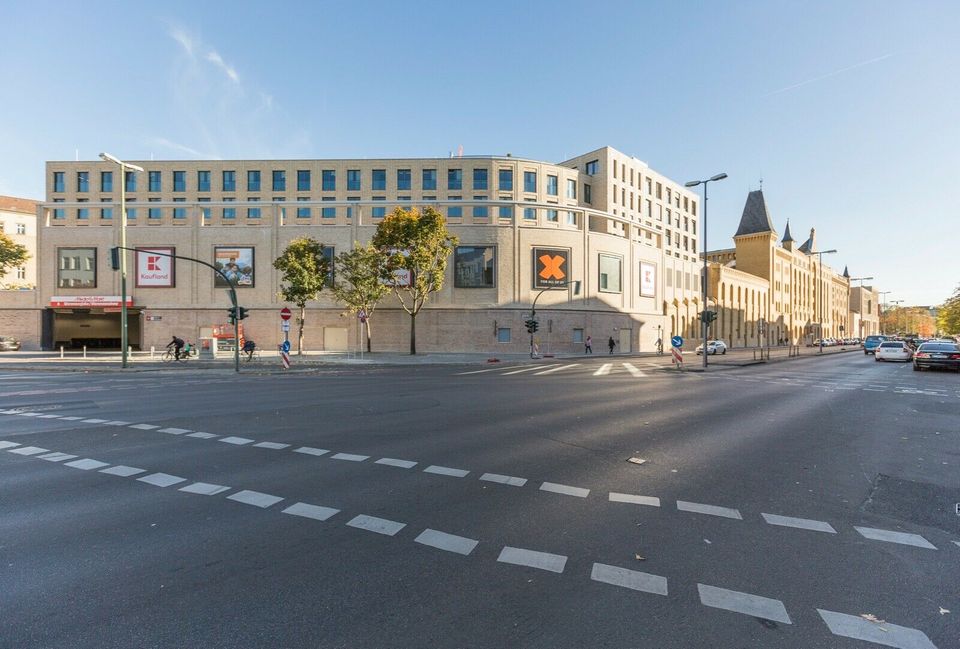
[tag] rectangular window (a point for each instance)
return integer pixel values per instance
(21, 228)
(179, 181)
(587, 194)
(610, 273)
(76, 267)
(669, 196)
(58, 212)
(530, 181)
(571, 218)
(693, 207)
(58, 182)
(530, 213)
(153, 181)
(379, 212)
(659, 190)
(455, 179)
(279, 180)
(229, 179)
(154, 212)
(253, 212)
(403, 180)
(506, 211)
(329, 180)
(106, 181)
(303, 180)
(578, 336)
(571, 188)
(669, 277)
(83, 181)
(328, 212)
(592, 167)
(131, 210)
(429, 179)
(253, 180)
(350, 209)
(480, 179)
(503, 334)
(353, 180)
(83, 213)
(480, 211)
(131, 181)
(205, 211)
(229, 212)
(552, 188)
(303, 212)
(553, 216)
(379, 180)
(179, 212)
(21, 273)
(203, 181)
(474, 267)
(506, 180)
(454, 212)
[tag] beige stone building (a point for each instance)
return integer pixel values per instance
(864, 311)
(605, 219)
(18, 220)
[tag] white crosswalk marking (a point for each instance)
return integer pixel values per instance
(746, 603)
(890, 635)
(603, 370)
(556, 369)
(633, 370)
(525, 369)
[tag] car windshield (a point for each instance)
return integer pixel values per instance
(887, 345)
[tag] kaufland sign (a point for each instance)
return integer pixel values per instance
(155, 270)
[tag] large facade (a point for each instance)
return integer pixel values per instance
(627, 233)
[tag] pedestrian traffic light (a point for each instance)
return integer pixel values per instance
(115, 258)
(232, 311)
(241, 313)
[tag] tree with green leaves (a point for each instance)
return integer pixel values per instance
(12, 254)
(362, 281)
(948, 316)
(306, 270)
(416, 246)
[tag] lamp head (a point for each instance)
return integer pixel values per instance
(692, 183)
(719, 177)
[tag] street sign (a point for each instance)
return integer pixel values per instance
(285, 314)
(677, 341)
(362, 315)
(285, 360)
(677, 355)
(285, 347)
(285, 326)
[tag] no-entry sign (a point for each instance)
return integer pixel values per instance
(285, 313)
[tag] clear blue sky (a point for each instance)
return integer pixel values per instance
(848, 110)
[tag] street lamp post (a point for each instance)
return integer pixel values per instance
(883, 307)
(860, 310)
(703, 250)
(820, 292)
(897, 323)
(106, 157)
(533, 309)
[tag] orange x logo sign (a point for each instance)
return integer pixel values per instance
(551, 266)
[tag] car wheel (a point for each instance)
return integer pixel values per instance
(876, 358)
(725, 351)
(916, 368)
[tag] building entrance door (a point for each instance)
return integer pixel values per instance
(93, 328)
(626, 338)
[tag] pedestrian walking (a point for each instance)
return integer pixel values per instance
(588, 346)
(611, 344)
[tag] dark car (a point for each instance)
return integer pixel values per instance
(938, 354)
(8, 344)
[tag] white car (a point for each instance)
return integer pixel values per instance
(893, 350)
(713, 347)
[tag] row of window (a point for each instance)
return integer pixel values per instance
(328, 181)
(657, 189)
(21, 227)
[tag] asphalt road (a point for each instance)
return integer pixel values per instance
(803, 504)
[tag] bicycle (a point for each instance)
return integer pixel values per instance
(171, 355)
(659, 347)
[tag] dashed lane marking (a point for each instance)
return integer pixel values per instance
(491, 369)
(174, 431)
(307, 450)
(72, 418)
(603, 369)
(236, 441)
(533, 559)
(891, 536)
(4, 445)
(374, 524)
(566, 490)
(712, 510)
(204, 489)
(142, 426)
(94, 421)
(799, 523)
(447, 471)
(56, 457)
(203, 435)
(557, 369)
(403, 464)
(504, 479)
(123, 470)
(162, 479)
(652, 501)
(117, 422)
(316, 512)
(885, 633)
(271, 445)
(29, 450)
(255, 498)
(746, 603)
(632, 579)
(524, 369)
(449, 542)
(86, 464)
(349, 457)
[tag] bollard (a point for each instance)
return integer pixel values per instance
(152, 349)
(61, 351)
(84, 351)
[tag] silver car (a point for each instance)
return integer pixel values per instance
(893, 350)
(713, 347)
(8, 344)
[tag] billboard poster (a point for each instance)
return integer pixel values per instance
(236, 262)
(648, 280)
(156, 271)
(551, 267)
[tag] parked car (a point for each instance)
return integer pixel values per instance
(9, 344)
(871, 343)
(945, 355)
(893, 350)
(713, 347)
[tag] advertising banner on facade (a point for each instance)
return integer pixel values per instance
(648, 280)
(236, 262)
(156, 271)
(551, 267)
(88, 301)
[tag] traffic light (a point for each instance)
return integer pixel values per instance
(708, 316)
(532, 326)
(115, 258)
(232, 311)
(241, 313)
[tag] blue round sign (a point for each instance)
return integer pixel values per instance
(677, 341)
(285, 347)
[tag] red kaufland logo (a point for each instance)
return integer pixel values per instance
(153, 263)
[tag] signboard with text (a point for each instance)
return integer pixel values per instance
(88, 301)
(648, 280)
(551, 267)
(153, 270)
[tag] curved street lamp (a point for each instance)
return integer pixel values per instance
(703, 250)
(820, 292)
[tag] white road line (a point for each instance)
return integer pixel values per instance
(635, 500)
(117, 422)
(799, 523)
(449, 542)
(633, 370)
(504, 479)
(142, 426)
(891, 536)
(564, 489)
(29, 414)
(753, 605)
(123, 471)
(29, 450)
(556, 369)
(315, 512)
(533, 559)
(204, 489)
(490, 369)
(525, 369)
(603, 370)
(872, 390)
(49, 417)
(890, 635)
(79, 418)
(86, 464)
(307, 450)
(239, 441)
(271, 445)
(254, 498)
(713, 510)
(57, 457)
(94, 421)
(161, 479)
(374, 524)
(445, 470)
(349, 457)
(631, 579)
(403, 464)
(174, 431)
(8, 445)
(957, 543)
(203, 435)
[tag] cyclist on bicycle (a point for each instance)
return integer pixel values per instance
(659, 346)
(177, 344)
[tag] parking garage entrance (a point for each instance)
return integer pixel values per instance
(78, 321)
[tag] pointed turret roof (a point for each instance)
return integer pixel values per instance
(810, 243)
(846, 273)
(755, 218)
(786, 233)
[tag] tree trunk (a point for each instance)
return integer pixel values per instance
(413, 334)
(303, 313)
(368, 334)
